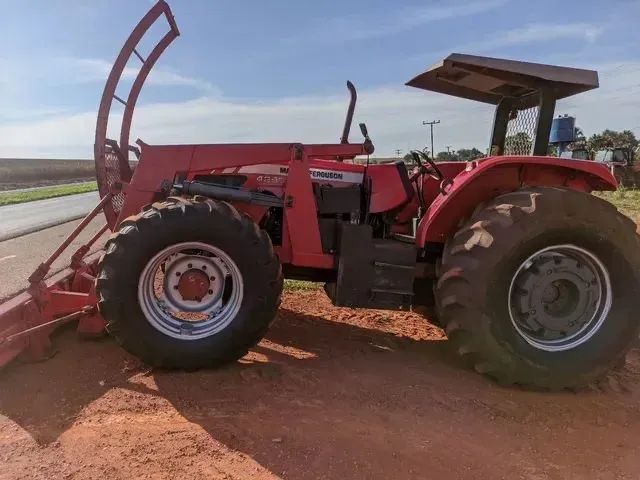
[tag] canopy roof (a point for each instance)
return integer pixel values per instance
(488, 80)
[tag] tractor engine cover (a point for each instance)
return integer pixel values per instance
(387, 185)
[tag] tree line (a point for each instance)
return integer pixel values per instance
(521, 142)
(606, 139)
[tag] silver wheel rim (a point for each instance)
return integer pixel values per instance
(163, 304)
(559, 297)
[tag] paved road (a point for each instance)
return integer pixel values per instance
(19, 257)
(23, 218)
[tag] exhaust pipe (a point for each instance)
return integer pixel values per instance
(350, 110)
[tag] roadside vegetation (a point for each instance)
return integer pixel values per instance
(627, 200)
(301, 286)
(10, 197)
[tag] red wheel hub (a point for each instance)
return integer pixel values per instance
(193, 285)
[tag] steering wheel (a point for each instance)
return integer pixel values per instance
(416, 157)
(432, 169)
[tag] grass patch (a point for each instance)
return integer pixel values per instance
(627, 200)
(301, 286)
(10, 198)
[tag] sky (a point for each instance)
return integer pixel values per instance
(258, 71)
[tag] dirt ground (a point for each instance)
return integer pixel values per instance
(331, 393)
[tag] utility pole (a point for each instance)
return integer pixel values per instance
(431, 124)
(398, 152)
(449, 149)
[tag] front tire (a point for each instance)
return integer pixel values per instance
(540, 288)
(188, 284)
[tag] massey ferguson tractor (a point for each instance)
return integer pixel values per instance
(535, 280)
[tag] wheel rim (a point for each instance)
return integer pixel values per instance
(190, 290)
(559, 297)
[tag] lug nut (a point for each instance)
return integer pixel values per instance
(190, 265)
(178, 274)
(210, 292)
(204, 267)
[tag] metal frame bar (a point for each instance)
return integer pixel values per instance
(547, 104)
(500, 123)
(43, 269)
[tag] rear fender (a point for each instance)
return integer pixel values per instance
(486, 179)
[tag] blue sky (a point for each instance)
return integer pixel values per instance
(275, 71)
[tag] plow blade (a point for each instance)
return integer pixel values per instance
(27, 319)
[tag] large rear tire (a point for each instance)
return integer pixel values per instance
(541, 287)
(188, 284)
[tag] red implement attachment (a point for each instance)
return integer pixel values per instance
(27, 319)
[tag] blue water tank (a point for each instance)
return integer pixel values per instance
(563, 130)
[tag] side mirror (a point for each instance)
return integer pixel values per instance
(368, 144)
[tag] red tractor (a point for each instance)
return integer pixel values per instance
(534, 279)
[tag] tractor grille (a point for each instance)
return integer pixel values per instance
(113, 176)
(521, 131)
(111, 169)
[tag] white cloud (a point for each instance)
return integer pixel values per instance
(394, 116)
(535, 33)
(615, 105)
(20, 75)
(90, 70)
(9, 113)
(362, 27)
(18, 78)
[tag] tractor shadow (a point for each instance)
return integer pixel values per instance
(300, 354)
(316, 397)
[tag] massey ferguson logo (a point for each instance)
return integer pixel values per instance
(269, 173)
(326, 175)
(319, 174)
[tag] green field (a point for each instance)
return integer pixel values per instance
(627, 200)
(36, 172)
(9, 198)
(300, 286)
